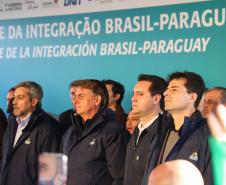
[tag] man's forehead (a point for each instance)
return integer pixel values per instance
(213, 94)
(80, 89)
(10, 93)
(142, 85)
(177, 82)
(21, 91)
(73, 88)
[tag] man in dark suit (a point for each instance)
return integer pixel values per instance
(30, 132)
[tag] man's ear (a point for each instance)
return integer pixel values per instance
(98, 100)
(117, 96)
(193, 97)
(34, 102)
(157, 98)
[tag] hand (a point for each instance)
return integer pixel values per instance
(217, 123)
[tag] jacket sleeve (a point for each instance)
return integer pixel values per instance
(115, 152)
(207, 169)
(3, 125)
(208, 175)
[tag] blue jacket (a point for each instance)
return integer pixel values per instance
(192, 146)
(96, 151)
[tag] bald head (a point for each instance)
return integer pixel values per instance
(177, 172)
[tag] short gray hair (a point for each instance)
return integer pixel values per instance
(35, 90)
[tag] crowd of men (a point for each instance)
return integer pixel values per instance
(104, 145)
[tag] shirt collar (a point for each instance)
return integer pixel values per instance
(189, 123)
(141, 128)
(23, 123)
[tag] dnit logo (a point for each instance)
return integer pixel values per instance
(72, 2)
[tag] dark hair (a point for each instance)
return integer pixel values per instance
(117, 88)
(158, 86)
(96, 86)
(10, 101)
(222, 91)
(11, 89)
(35, 90)
(194, 83)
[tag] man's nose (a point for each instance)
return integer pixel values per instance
(14, 101)
(133, 99)
(165, 93)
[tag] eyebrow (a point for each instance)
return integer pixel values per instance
(82, 93)
(174, 86)
(19, 95)
(211, 99)
(138, 91)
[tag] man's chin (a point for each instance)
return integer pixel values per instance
(205, 114)
(137, 113)
(167, 108)
(134, 111)
(77, 112)
(16, 114)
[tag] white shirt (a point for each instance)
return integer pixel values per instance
(21, 125)
(142, 128)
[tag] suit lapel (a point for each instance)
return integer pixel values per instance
(22, 139)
